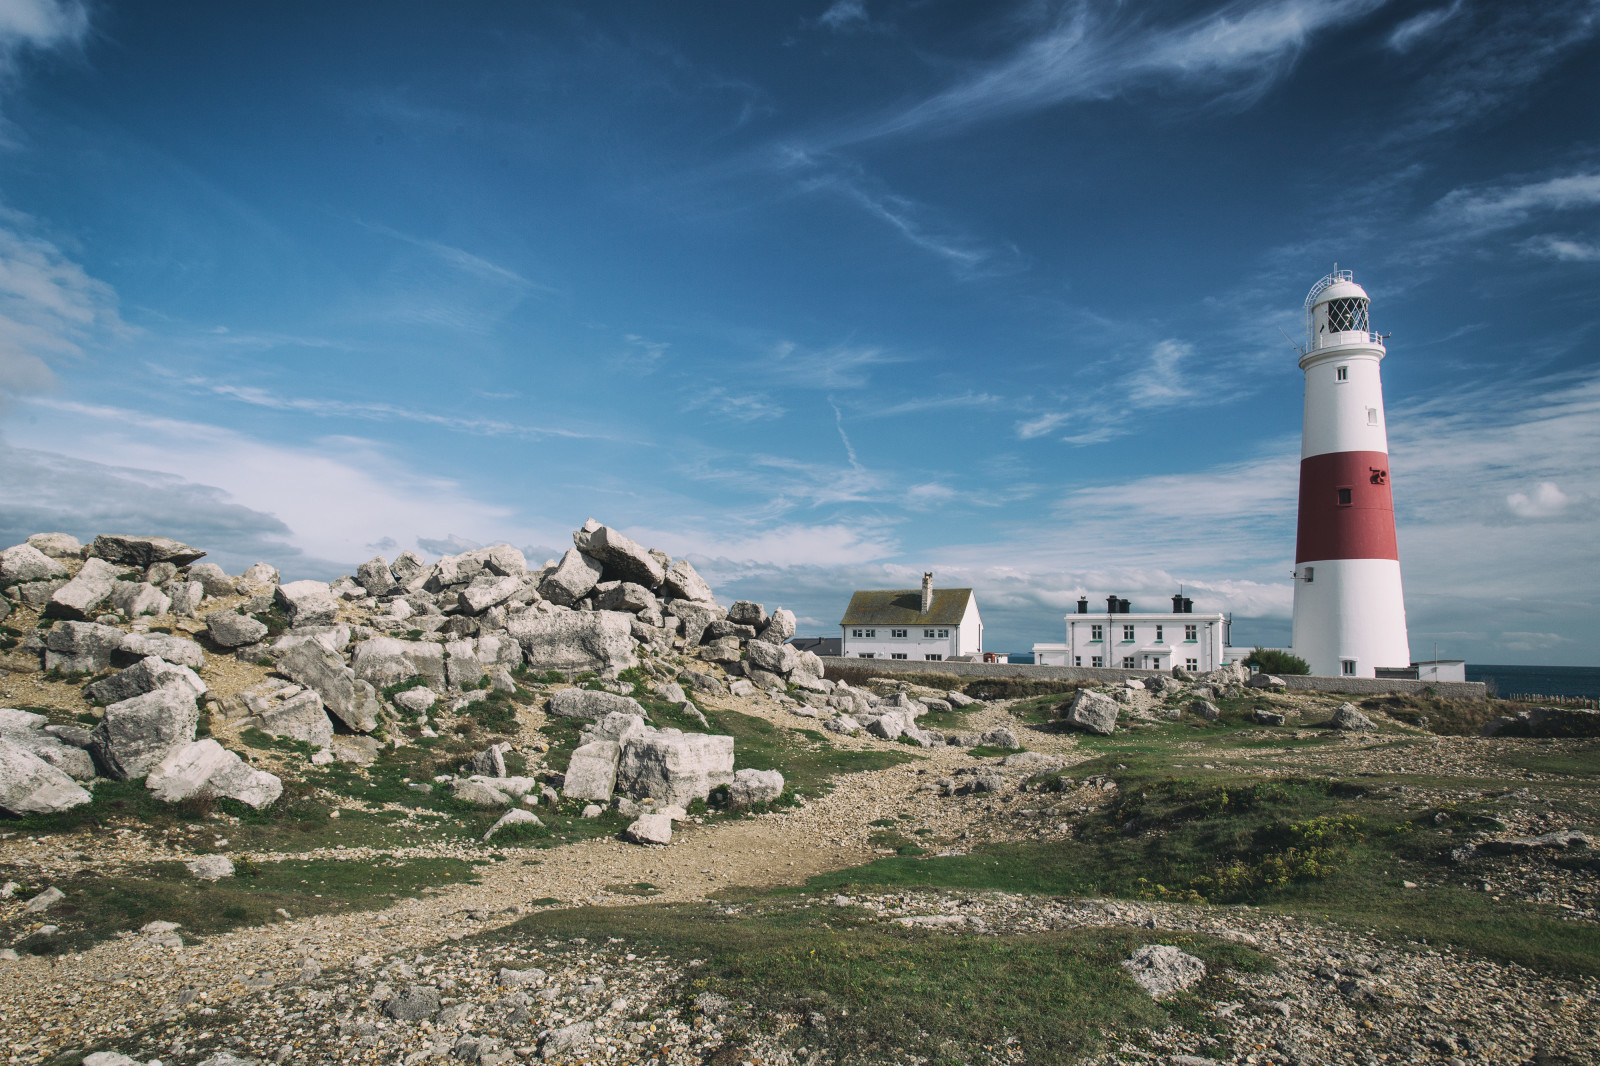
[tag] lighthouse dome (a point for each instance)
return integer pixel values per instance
(1337, 307)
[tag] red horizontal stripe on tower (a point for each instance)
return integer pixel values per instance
(1346, 509)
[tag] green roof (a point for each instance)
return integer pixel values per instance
(903, 607)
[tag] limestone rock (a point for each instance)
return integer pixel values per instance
(170, 647)
(325, 673)
(29, 785)
(230, 629)
(307, 603)
(1266, 681)
(44, 901)
(748, 613)
(490, 762)
(416, 700)
(211, 867)
(584, 703)
(780, 628)
(300, 717)
(478, 793)
(1348, 719)
(1262, 716)
(1092, 712)
(624, 559)
(212, 578)
(143, 551)
(1000, 738)
(137, 734)
(573, 578)
(1205, 709)
(751, 788)
(682, 582)
(650, 829)
(576, 641)
(146, 675)
(135, 598)
(1161, 969)
(671, 767)
(592, 773)
(375, 576)
(57, 545)
(413, 1004)
(206, 766)
(780, 659)
(25, 562)
(515, 816)
(82, 597)
(257, 578)
(384, 661)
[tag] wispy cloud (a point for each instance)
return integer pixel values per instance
(832, 368)
(844, 15)
(49, 309)
(1480, 211)
(731, 404)
(1567, 250)
(921, 404)
(39, 25)
(1419, 28)
(1092, 51)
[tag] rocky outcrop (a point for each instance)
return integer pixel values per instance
(142, 552)
(1349, 720)
(673, 767)
(576, 641)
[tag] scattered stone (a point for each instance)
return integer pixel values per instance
(25, 562)
(650, 829)
(211, 867)
(1262, 716)
(307, 603)
(1000, 738)
(230, 629)
(146, 675)
(752, 788)
(413, 1004)
(300, 717)
(57, 545)
(1162, 970)
(586, 703)
(1350, 720)
(478, 793)
(44, 901)
(81, 647)
(515, 816)
(1205, 709)
(30, 785)
(1092, 712)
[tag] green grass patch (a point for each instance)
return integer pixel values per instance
(887, 993)
(98, 906)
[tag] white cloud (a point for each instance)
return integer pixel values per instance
(1089, 53)
(1039, 425)
(1417, 29)
(49, 308)
(1563, 249)
(1162, 383)
(39, 25)
(1485, 210)
(737, 406)
(844, 14)
(1546, 501)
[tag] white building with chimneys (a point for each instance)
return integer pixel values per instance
(1121, 638)
(1349, 611)
(928, 624)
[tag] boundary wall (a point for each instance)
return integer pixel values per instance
(1351, 686)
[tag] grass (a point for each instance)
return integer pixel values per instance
(885, 992)
(97, 907)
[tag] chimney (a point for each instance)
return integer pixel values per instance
(927, 592)
(1083, 605)
(1177, 605)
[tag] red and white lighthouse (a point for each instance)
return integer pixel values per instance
(1349, 613)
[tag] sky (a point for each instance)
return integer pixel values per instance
(820, 295)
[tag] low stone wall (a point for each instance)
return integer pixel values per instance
(1351, 686)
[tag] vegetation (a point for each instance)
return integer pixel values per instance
(1274, 661)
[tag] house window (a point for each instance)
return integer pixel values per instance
(1342, 374)
(1344, 497)
(1372, 416)
(933, 658)
(897, 655)
(1191, 632)
(930, 633)
(1191, 664)
(1077, 660)
(1097, 661)
(1158, 635)
(855, 632)
(1127, 632)
(866, 654)
(897, 633)
(943, 634)
(871, 633)
(1127, 662)
(1096, 633)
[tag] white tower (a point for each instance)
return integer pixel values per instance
(1349, 614)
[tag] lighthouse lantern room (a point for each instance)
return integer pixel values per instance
(1349, 613)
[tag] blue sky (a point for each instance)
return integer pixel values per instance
(819, 295)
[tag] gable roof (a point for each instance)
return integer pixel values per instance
(903, 607)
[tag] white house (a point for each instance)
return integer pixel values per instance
(1140, 640)
(930, 624)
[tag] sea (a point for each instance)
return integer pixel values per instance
(1504, 681)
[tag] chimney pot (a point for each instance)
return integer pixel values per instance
(927, 592)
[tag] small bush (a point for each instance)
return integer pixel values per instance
(1273, 661)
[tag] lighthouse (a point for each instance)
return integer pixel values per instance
(1349, 614)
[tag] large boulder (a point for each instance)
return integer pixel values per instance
(384, 661)
(80, 647)
(476, 599)
(1092, 712)
(751, 788)
(630, 597)
(212, 578)
(307, 603)
(143, 551)
(168, 646)
(300, 717)
(682, 582)
(780, 628)
(206, 766)
(462, 670)
(26, 730)
(1267, 681)
(514, 816)
(57, 545)
(576, 641)
(82, 597)
(624, 559)
(136, 734)
(1161, 969)
(1349, 720)
(375, 576)
(584, 703)
(314, 666)
(24, 562)
(29, 785)
(674, 768)
(257, 578)
(574, 577)
(748, 613)
(146, 675)
(1227, 674)
(696, 617)
(230, 629)
(649, 829)
(592, 773)
(135, 598)
(407, 566)
(1205, 709)
(778, 658)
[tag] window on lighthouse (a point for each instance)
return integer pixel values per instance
(1347, 314)
(1342, 374)
(1344, 497)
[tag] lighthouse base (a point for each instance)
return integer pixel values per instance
(1350, 616)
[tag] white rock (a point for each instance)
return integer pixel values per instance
(207, 765)
(650, 829)
(211, 867)
(30, 785)
(307, 603)
(137, 734)
(1161, 969)
(515, 816)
